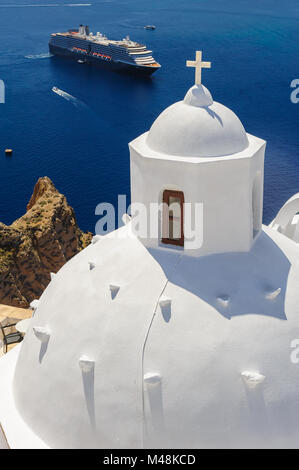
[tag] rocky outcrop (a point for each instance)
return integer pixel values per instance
(37, 244)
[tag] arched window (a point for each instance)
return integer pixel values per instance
(173, 218)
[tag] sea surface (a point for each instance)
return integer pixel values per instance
(79, 138)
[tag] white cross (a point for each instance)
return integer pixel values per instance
(198, 64)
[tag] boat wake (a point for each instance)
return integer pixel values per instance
(39, 56)
(68, 97)
(127, 25)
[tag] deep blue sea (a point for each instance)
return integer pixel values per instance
(82, 143)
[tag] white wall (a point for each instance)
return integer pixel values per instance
(223, 184)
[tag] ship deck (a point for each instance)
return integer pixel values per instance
(102, 40)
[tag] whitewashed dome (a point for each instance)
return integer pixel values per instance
(197, 127)
(132, 347)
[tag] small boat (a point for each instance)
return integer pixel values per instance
(81, 61)
(150, 26)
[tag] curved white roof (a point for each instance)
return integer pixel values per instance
(197, 127)
(132, 347)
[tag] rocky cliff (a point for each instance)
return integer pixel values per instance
(37, 244)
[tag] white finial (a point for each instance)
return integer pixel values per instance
(42, 333)
(86, 364)
(273, 294)
(164, 301)
(152, 378)
(223, 300)
(34, 304)
(198, 64)
(252, 379)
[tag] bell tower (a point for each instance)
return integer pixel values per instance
(204, 171)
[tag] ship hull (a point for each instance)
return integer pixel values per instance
(106, 64)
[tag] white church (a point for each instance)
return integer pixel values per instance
(148, 343)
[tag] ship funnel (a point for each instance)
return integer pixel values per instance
(87, 30)
(81, 29)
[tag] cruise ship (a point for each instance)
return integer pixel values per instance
(125, 55)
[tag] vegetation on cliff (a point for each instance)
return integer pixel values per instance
(38, 243)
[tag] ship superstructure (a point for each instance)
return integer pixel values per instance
(126, 55)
